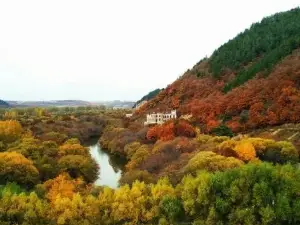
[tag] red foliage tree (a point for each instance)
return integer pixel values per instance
(183, 128)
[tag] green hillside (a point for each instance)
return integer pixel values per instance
(257, 49)
(148, 96)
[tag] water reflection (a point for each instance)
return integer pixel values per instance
(111, 167)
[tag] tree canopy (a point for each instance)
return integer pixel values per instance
(257, 49)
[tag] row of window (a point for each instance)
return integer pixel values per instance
(163, 116)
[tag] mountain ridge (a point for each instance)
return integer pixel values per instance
(148, 96)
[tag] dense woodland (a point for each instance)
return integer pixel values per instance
(248, 83)
(175, 174)
(203, 168)
(262, 46)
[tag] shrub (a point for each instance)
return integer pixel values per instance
(211, 162)
(222, 130)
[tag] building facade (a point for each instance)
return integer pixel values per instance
(159, 118)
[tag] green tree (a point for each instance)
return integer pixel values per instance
(222, 130)
(79, 166)
(172, 208)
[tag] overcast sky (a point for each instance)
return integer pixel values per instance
(106, 50)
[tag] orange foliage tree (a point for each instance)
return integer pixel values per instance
(161, 132)
(62, 185)
(245, 151)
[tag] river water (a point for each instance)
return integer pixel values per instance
(111, 167)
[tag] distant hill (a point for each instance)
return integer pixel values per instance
(252, 81)
(148, 96)
(115, 104)
(49, 103)
(3, 104)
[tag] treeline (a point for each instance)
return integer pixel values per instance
(61, 123)
(29, 161)
(257, 193)
(257, 49)
(149, 96)
(177, 148)
(174, 174)
(211, 179)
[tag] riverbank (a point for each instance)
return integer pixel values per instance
(111, 166)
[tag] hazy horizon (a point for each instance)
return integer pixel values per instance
(116, 50)
(92, 101)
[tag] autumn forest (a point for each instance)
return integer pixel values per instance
(230, 157)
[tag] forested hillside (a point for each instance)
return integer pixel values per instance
(148, 96)
(197, 169)
(251, 81)
(263, 45)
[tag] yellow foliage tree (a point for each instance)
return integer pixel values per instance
(24, 209)
(76, 210)
(131, 148)
(160, 190)
(226, 148)
(105, 201)
(195, 191)
(14, 167)
(11, 115)
(73, 149)
(277, 152)
(130, 204)
(39, 112)
(10, 131)
(211, 161)
(138, 157)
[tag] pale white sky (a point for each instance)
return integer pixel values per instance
(106, 50)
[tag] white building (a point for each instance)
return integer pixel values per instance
(159, 118)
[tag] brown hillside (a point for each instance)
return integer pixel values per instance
(260, 102)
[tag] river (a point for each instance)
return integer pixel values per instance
(111, 167)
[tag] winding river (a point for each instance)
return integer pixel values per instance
(111, 167)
